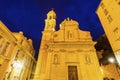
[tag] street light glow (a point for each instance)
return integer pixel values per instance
(111, 59)
(18, 64)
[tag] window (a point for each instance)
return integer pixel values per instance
(69, 34)
(116, 31)
(7, 49)
(109, 18)
(4, 47)
(1, 44)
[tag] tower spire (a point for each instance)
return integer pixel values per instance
(51, 14)
(50, 22)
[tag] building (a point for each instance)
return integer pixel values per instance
(108, 12)
(66, 54)
(16, 55)
(107, 60)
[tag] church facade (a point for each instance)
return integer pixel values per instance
(66, 54)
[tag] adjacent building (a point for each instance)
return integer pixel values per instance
(17, 60)
(66, 54)
(108, 12)
(107, 60)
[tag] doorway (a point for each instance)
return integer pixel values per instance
(72, 73)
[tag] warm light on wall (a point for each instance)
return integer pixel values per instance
(101, 70)
(53, 29)
(18, 64)
(117, 53)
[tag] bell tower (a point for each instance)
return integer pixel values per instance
(50, 22)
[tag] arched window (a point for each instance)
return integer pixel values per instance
(50, 17)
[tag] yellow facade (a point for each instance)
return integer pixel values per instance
(66, 54)
(16, 55)
(108, 12)
(110, 71)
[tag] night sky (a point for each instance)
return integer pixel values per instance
(29, 15)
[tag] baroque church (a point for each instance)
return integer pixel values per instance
(66, 54)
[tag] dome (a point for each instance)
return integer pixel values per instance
(51, 14)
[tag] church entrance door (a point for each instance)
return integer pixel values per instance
(72, 73)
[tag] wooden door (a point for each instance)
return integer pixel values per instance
(72, 73)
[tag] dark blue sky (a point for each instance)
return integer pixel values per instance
(29, 15)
